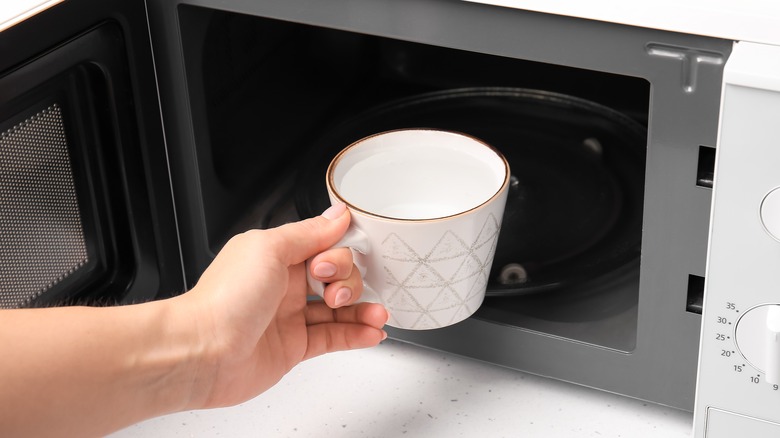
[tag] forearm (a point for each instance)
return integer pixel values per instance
(79, 371)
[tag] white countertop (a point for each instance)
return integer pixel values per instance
(401, 390)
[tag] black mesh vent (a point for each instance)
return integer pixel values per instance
(41, 233)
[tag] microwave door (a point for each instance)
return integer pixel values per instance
(86, 211)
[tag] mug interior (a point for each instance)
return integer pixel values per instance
(417, 174)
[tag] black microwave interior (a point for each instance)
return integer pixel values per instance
(272, 101)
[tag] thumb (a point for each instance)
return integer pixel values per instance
(295, 242)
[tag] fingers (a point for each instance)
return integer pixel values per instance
(295, 242)
(346, 328)
(371, 314)
(335, 268)
(332, 265)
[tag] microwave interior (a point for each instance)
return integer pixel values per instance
(273, 101)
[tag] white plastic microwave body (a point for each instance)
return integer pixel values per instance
(738, 390)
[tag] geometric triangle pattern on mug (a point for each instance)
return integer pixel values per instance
(432, 287)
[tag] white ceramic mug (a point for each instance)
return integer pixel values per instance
(426, 208)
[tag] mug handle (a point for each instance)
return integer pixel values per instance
(357, 241)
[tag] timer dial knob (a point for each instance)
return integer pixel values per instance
(758, 340)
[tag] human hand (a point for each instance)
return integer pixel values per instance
(252, 317)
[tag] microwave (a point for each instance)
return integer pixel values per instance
(638, 241)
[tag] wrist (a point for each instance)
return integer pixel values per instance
(181, 358)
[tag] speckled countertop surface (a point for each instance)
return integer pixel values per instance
(400, 390)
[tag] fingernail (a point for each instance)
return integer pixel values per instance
(384, 335)
(343, 296)
(335, 211)
(325, 270)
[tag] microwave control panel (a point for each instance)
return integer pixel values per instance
(738, 388)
